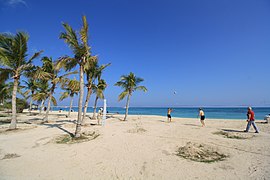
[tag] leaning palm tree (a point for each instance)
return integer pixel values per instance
(130, 84)
(50, 71)
(99, 91)
(13, 61)
(82, 57)
(71, 88)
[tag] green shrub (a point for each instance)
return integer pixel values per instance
(20, 105)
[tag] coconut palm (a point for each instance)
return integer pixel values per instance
(71, 88)
(93, 73)
(130, 84)
(13, 61)
(99, 91)
(82, 57)
(50, 71)
(31, 86)
(42, 93)
(90, 78)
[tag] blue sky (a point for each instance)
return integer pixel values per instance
(210, 52)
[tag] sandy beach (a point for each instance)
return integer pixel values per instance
(144, 147)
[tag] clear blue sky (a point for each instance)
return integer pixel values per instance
(210, 52)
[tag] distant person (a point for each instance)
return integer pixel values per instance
(45, 108)
(202, 116)
(169, 117)
(251, 120)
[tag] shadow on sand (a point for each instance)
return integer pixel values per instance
(232, 130)
(193, 125)
(59, 127)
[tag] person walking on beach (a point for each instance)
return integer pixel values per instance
(251, 120)
(169, 114)
(202, 116)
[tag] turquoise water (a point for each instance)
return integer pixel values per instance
(210, 113)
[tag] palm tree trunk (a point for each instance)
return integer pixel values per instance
(70, 106)
(31, 102)
(89, 92)
(13, 124)
(41, 106)
(127, 105)
(95, 108)
(79, 121)
(49, 104)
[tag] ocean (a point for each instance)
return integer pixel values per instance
(187, 112)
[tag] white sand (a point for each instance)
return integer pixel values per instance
(124, 151)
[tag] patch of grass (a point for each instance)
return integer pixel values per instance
(68, 139)
(200, 153)
(136, 130)
(230, 135)
(11, 156)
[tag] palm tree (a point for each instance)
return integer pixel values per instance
(90, 78)
(98, 90)
(71, 88)
(42, 93)
(130, 84)
(93, 73)
(31, 86)
(82, 57)
(13, 61)
(50, 71)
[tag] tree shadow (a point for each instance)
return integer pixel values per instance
(59, 127)
(231, 130)
(193, 125)
(67, 121)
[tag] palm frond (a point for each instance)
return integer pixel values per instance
(144, 89)
(84, 33)
(66, 62)
(122, 95)
(70, 37)
(37, 54)
(64, 96)
(54, 101)
(5, 74)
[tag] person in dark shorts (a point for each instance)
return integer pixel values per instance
(202, 116)
(169, 114)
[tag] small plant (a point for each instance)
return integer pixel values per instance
(10, 156)
(200, 153)
(68, 139)
(137, 129)
(229, 135)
